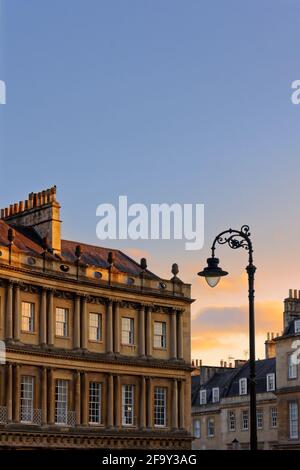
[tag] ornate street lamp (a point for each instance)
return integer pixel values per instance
(212, 273)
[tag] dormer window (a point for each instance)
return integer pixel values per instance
(297, 326)
(202, 397)
(270, 382)
(216, 395)
(243, 386)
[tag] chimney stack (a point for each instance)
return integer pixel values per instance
(41, 212)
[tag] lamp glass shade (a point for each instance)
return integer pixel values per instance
(212, 272)
(212, 281)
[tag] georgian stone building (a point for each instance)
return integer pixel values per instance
(97, 346)
(288, 374)
(220, 408)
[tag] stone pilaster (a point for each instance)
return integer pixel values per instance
(109, 327)
(17, 312)
(43, 317)
(50, 317)
(9, 311)
(141, 322)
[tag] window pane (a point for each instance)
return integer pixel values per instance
(95, 403)
(61, 322)
(293, 416)
(61, 401)
(27, 398)
(160, 406)
(95, 327)
(127, 330)
(27, 316)
(160, 335)
(127, 405)
(231, 421)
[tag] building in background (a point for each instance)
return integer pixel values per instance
(288, 375)
(220, 404)
(220, 408)
(97, 346)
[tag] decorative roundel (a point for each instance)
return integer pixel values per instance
(98, 275)
(31, 261)
(64, 268)
(130, 281)
(162, 285)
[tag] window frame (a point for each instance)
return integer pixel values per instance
(271, 376)
(244, 420)
(204, 394)
(29, 400)
(65, 323)
(297, 328)
(30, 318)
(62, 389)
(160, 410)
(292, 367)
(129, 341)
(243, 380)
(272, 408)
(214, 390)
(95, 406)
(128, 405)
(161, 336)
(97, 328)
(210, 420)
(231, 414)
(259, 418)
(197, 429)
(292, 435)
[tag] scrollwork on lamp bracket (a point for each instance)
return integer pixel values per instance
(235, 239)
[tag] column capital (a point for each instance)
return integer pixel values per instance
(180, 311)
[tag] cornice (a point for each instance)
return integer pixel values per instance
(111, 288)
(88, 356)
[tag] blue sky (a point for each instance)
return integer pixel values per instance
(164, 101)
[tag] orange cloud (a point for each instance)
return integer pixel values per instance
(222, 330)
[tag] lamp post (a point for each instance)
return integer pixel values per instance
(212, 273)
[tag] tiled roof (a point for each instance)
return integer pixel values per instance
(27, 240)
(22, 241)
(97, 256)
(228, 381)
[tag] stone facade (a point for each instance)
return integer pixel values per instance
(288, 379)
(64, 383)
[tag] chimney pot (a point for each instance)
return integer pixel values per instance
(295, 294)
(290, 293)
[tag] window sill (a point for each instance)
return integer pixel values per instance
(62, 337)
(159, 349)
(95, 341)
(25, 332)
